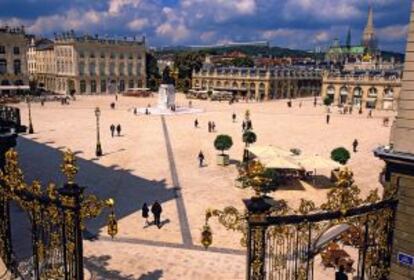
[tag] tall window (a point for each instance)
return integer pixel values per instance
(92, 55)
(82, 68)
(16, 50)
(92, 69)
(102, 68)
(103, 85)
(121, 69)
(2, 49)
(131, 84)
(121, 85)
(3, 66)
(138, 69)
(17, 66)
(93, 86)
(130, 69)
(82, 86)
(112, 68)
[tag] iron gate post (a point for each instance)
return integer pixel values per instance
(257, 209)
(7, 141)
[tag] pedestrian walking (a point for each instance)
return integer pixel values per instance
(135, 111)
(234, 117)
(300, 104)
(156, 210)
(196, 123)
(244, 126)
(200, 158)
(314, 102)
(118, 129)
(328, 118)
(360, 110)
(145, 211)
(213, 126)
(355, 145)
(370, 114)
(249, 125)
(341, 275)
(209, 126)
(112, 127)
(116, 97)
(190, 104)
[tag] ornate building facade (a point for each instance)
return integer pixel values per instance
(90, 65)
(366, 89)
(260, 83)
(13, 63)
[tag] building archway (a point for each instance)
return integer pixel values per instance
(343, 95)
(357, 96)
(372, 98)
(330, 93)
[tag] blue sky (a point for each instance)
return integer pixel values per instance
(303, 24)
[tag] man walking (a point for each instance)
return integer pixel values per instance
(355, 145)
(118, 129)
(196, 123)
(328, 118)
(209, 126)
(145, 211)
(244, 126)
(112, 130)
(200, 158)
(234, 117)
(156, 210)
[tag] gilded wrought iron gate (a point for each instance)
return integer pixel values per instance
(56, 215)
(284, 246)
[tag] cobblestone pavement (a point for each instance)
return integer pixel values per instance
(155, 158)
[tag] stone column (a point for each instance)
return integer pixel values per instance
(399, 158)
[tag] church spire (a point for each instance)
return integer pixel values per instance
(369, 40)
(370, 21)
(348, 38)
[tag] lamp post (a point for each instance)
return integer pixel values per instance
(98, 151)
(32, 85)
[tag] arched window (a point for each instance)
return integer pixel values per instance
(82, 86)
(3, 66)
(372, 92)
(93, 86)
(103, 85)
(130, 69)
(389, 92)
(235, 85)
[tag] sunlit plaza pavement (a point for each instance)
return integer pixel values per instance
(155, 158)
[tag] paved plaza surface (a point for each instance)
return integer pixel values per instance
(155, 158)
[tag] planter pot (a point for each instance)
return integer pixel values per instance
(223, 160)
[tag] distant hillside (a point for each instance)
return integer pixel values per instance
(249, 50)
(399, 57)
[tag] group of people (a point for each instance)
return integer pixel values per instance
(247, 125)
(156, 211)
(211, 126)
(117, 128)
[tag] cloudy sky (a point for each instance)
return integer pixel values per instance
(303, 24)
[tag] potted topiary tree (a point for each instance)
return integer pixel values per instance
(327, 101)
(340, 155)
(223, 143)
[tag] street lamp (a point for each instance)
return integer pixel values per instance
(31, 131)
(98, 151)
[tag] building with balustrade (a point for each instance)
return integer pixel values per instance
(89, 64)
(260, 83)
(13, 65)
(366, 89)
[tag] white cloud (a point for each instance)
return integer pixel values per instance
(138, 24)
(116, 6)
(172, 31)
(392, 33)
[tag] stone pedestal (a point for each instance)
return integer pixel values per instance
(166, 96)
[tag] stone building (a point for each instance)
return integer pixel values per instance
(399, 170)
(366, 89)
(90, 65)
(13, 63)
(260, 83)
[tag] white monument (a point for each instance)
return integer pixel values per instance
(166, 96)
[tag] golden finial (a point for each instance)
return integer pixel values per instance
(69, 167)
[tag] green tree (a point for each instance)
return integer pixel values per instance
(153, 74)
(249, 137)
(186, 63)
(223, 143)
(327, 101)
(242, 62)
(340, 155)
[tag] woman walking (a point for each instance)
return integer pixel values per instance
(145, 211)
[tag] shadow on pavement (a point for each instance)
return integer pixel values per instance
(129, 191)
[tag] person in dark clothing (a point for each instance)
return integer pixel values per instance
(249, 125)
(156, 210)
(360, 110)
(355, 145)
(116, 97)
(200, 158)
(328, 118)
(145, 211)
(112, 130)
(213, 126)
(209, 126)
(244, 126)
(118, 129)
(135, 111)
(112, 105)
(315, 102)
(370, 113)
(196, 123)
(341, 275)
(234, 117)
